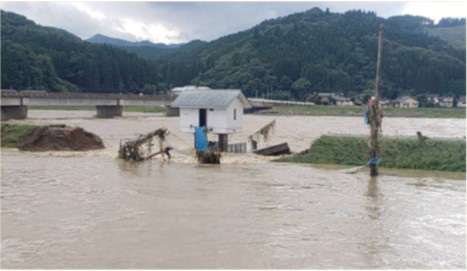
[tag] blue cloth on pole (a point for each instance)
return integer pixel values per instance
(374, 161)
(366, 116)
(200, 139)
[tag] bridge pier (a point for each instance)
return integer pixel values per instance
(17, 112)
(172, 111)
(109, 111)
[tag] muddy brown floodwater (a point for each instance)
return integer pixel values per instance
(90, 210)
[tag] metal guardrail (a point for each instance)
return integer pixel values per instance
(80, 95)
(260, 101)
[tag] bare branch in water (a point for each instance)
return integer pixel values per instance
(134, 150)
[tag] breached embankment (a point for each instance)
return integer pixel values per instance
(49, 138)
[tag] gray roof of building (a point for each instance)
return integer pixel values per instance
(401, 98)
(189, 88)
(216, 98)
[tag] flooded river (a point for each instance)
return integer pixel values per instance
(90, 210)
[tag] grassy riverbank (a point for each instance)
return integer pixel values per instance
(322, 110)
(406, 153)
(140, 109)
(13, 134)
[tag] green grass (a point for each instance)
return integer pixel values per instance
(406, 153)
(141, 109)
(322, 110)
(14, 134)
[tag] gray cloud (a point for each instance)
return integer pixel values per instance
(178, 21)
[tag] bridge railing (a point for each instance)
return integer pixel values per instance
(81, 95)
(261, 101)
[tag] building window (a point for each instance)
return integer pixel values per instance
(235, 114)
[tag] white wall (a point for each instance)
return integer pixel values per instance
(188, 119)
(219, 120)
(409, 103)
(235, 126)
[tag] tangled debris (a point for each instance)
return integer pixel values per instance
(140, 149)
(275, 150)
(264, 133)
(208, 157)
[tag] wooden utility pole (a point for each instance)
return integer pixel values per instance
(378, 63)
(375, 116)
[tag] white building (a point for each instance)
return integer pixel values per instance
(339, 100)
(220, 111)
(405, 102)
(433, 99)
(461, 101)
(446, 102)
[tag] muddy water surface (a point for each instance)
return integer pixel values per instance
(90, 210)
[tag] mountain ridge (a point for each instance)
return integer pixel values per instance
(102, 39)
(316, 51)
(295, 55)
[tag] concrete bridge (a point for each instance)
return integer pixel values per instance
(261, 104)
(14, 105)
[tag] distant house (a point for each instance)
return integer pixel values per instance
(333, 98)
(220, 111)
(179, 90)
(384, 103)
(446, 101)
(461, 101)
(325, 98)
(357, 101)
(338, 100)
(433, 99)
(405, 102)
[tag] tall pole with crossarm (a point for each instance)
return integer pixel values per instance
(374, 113)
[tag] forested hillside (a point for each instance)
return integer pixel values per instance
(323, 51)
(46, 58)
(451, 30)
(299, 54)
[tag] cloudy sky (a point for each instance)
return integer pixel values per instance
(176, 22)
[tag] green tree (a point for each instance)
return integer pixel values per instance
(300, 88)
